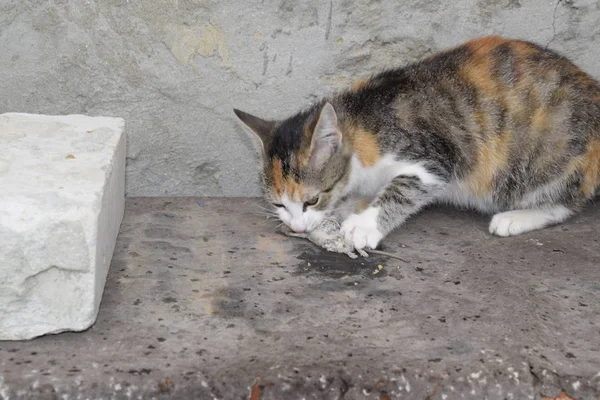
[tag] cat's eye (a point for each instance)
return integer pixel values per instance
(278, 205)
(312, 201)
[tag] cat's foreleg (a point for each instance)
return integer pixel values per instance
(404, 196)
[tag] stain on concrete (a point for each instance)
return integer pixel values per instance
(162, 232)
(228, 303)
(167, 248)
(205, 40)
(334, 265)
(169, 299)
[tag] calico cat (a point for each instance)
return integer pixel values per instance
(497, 125)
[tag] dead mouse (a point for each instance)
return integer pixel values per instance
(327, 235)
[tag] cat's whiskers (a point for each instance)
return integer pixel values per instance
(264, 214)
(278, 226)
(264, 208)
(265, 211)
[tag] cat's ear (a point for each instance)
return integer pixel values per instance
(261, 128)
(326, 138)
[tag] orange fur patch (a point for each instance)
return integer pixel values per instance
(476, 70)
(286, 185)
(492, 157)
(523, 49)
(365, 145)
(359, 84)
(591, 168)
(277, 175)
(293, 189)
(485, 44)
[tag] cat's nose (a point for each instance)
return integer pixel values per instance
(298, 227)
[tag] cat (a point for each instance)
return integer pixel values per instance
(502, 126)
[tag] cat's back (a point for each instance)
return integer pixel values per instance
(487, 85)
(523, 73)
(503, 116)
(493, 61)
(516, 75)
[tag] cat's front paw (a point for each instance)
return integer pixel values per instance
(360, 230)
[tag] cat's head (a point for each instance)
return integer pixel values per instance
(305, 164)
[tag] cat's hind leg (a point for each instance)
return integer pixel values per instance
(512, 223)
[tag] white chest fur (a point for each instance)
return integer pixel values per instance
(369, 181)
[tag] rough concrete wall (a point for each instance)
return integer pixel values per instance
(174, 69)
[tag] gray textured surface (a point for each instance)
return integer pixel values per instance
(175, 68)
(204, 299)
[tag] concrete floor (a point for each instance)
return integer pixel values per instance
(206, 300)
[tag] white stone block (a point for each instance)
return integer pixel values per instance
(62, 189)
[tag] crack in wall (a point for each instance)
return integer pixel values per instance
(554, 23)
